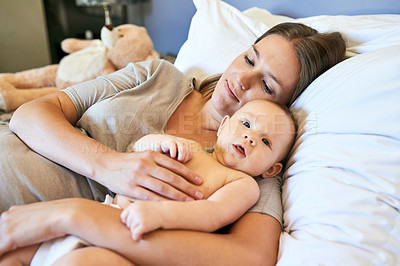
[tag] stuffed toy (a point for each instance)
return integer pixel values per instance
(86, 60)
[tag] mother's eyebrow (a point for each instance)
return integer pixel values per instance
(257, 53)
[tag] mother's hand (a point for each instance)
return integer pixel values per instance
(149, 175)
(29, 224)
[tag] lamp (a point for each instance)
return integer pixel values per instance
(105, 4)
(108, 36)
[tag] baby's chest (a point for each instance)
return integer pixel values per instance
(214, 174)
(214, 178)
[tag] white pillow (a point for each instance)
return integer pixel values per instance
(341, 194)
(265, 16)
(363, 33)
(219, 32)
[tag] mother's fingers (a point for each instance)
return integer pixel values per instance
(145, 191)
(179, 169)
(24, 225)
(143, 175)
(9, 233)
(176, 175)
(154, 189)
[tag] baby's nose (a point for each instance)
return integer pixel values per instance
(249, 138)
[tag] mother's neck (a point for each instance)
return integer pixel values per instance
(194, 119)
(211, 118)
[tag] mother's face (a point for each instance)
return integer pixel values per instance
(268, 70)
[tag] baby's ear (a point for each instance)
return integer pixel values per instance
(224, 121)
(272, 171)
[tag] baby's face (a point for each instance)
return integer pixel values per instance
(258, 135)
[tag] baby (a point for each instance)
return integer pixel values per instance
(252, 142)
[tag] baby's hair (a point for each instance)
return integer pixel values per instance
(295, 128)
(287, 111)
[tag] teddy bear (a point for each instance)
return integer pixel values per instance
(86, 60)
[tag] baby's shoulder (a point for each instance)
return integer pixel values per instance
(233, 175)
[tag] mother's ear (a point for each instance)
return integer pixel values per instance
(272, 171)
(223, 122)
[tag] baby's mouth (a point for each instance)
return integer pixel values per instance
(240, 149)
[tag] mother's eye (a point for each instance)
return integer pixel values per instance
(248, 61)
(266, 88)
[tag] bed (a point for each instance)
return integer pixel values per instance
(341, 186)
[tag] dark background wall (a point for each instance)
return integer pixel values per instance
(33, 29)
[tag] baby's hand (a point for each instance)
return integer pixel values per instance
(122, 201)
(142, 217)
(178, 148)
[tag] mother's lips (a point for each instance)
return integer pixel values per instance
(230, 90)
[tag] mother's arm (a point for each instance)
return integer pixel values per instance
(46, 126)
(252, 240)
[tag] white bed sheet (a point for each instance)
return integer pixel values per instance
(341, 195)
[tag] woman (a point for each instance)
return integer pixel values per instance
(277, 67)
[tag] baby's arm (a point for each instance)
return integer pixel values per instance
(178, 148)
(225, 206)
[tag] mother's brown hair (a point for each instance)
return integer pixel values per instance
(317, 52)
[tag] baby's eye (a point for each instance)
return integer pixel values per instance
(266, 142)
(246, 124)
(248, 61)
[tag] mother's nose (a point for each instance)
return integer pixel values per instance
(246, 79)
